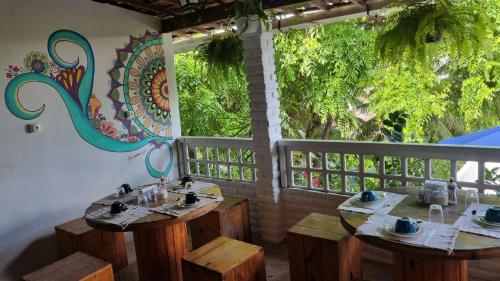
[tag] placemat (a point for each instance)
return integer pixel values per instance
(172, 209)
(470, 223)
(433, 235)
(195, 187)
(110, 199)
(134, 213)
(382, 207)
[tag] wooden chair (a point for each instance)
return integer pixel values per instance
(320, 249)
(231, 218)
(225, 259)
(76, 267)
(76, 235)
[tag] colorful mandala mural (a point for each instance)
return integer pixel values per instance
(138, 85)
(139, 88)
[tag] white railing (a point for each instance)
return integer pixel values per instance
(337, 166)
(230, 159)
(348, 167)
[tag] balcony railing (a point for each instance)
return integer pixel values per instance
(348, 167)
(230, 159)
(342, 167)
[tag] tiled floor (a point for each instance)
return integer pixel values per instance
(276, 265)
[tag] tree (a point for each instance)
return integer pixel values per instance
(319, 70)
(211, 109)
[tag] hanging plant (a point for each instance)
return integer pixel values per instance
(423, 32)
(223, 53)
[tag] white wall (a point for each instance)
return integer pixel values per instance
(50, 177)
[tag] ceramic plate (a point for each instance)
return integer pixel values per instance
(482, 220)
(390, 230)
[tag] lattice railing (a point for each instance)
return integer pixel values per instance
(217, 158)
(348, 167)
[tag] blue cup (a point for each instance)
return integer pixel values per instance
(406, 225)
(368, 196)
(493, 214)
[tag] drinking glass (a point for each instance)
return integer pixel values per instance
(143, 200)
(471, 196)
(436, 213)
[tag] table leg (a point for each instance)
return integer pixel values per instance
(159, 252)
(408, 267)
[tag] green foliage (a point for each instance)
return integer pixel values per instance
(492, 176)
(394, 125)
(319, 70)
(327, 74)
(422, 32)
(223, 55)
(211, 109)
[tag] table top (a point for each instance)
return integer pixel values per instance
(467, 245)
(156, 220)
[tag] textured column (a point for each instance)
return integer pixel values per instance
(266, 127)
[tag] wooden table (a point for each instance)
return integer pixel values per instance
(419, 263)
(160, 240)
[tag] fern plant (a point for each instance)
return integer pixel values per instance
(423, 32)
(223, 54)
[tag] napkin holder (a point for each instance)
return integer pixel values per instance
(434, 192)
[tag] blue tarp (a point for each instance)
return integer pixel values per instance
(488, 137)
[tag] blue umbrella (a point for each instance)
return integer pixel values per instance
(488, 137)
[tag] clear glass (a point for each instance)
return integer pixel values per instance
(471, 196)
(143, 200)
(436, 213)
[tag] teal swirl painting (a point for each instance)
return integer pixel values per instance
(139, 93)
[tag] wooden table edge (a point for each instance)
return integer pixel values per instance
(394, 246)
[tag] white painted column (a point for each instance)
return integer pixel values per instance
(266, 127)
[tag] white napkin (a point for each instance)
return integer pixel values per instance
(172, 209)
(433, 235)
(383, 207)
(134, 213)
(469, 223)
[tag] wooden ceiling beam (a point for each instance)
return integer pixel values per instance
(137, 5)
(217, 13)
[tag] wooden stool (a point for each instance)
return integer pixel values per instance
(76, 235)
(319, 248)
(76, 267)
(231, 218)
(225, 259)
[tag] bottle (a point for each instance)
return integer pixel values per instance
(162, 190)
(452, 191)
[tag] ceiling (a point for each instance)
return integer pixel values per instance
(217, 13)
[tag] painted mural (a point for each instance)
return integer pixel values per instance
(139, 93)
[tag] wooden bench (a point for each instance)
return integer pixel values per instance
(320, 249)
(76, 235)
(225, 259)
(231, 218)
(76, 267)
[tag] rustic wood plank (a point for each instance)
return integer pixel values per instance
(76, 235)
(76, 267)
(321, 249)
(408, 267)
(225, 259)
(231, 218)
(159, 252)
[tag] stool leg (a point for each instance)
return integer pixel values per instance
(410, 267)
(159, 252)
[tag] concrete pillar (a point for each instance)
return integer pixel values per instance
(266, 127)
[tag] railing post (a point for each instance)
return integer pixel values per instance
(266, 127)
